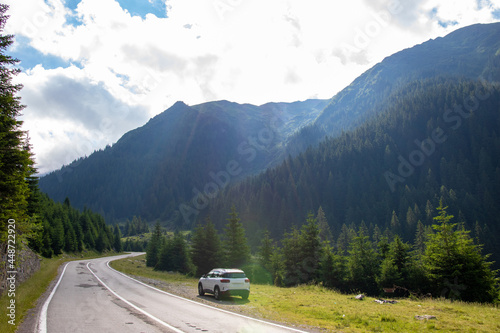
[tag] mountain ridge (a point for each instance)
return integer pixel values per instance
(171, 160)
(441, 56)
(174, 153)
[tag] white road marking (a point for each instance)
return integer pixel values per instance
(135, 307)
(205, 305)
(42, 320)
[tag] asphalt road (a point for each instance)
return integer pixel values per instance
(92, 297)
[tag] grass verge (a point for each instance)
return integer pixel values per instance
(313, 306)
(28, 292)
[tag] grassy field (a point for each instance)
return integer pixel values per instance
(321, 309)
(29, 291)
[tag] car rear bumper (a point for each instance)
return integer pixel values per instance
(236, 292)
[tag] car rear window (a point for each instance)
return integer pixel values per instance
(234, 275)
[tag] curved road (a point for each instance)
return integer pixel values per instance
(92, 297)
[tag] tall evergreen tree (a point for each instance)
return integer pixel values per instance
(311, 249)
(292, 258)
(455, 265)
(345, 238)
(154, 246)
(362, 264)
(57, 236)
(16, 162)
(333, 270)
(174, 255)
(420, 239)
(117, 244)
(277, 266)
(205, 248)
(266, 250)
(325, 232)
(236, 249)
(394, 269)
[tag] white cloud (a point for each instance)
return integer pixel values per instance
(69, 116)
(253, 51)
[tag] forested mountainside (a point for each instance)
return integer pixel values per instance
(154, 168)
(170, 168)
(64, 228)
(436, 139)
(471, 52)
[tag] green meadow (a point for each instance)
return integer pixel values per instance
(313, 307)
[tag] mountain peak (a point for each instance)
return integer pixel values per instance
(468, 52)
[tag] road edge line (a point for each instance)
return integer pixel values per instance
(132, 305)
(205, 305)
(42, 320)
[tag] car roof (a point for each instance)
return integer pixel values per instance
(227, 270)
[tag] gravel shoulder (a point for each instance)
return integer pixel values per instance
(189, 291)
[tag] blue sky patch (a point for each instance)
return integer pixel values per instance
(143, 7)
(496, 14)
(30, 57)
(445, 24)
(72, 4)
(134, 7)
(72, 19)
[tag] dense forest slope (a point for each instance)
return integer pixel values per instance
(470, 52)
(176, 165)
(154, 168)
(435, 139)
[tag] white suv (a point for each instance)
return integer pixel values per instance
(224, 282)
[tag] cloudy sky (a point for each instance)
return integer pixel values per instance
(95, 69)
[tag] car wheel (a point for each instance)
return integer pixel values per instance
(201, 292)
(217, 293)
(245, 296)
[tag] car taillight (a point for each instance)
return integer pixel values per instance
(247, 280)
(225, 281)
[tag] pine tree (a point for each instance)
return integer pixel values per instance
(174, 255)
(311, 249)
(16, 162)
(394, 269)
(345, 238)
(236, 249)
(455, 265)
(325, 232)
(57, 236)
(198, 253)
(395, 224)
(277, 266)
(420, 238)
(165, 255)
(411, 218)
(266, 250)
(292, 258)
(69, 237)
(117, 244)
(333, 270)
(101, 241)
(154, 247)
(362, 265)
(205, 247)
